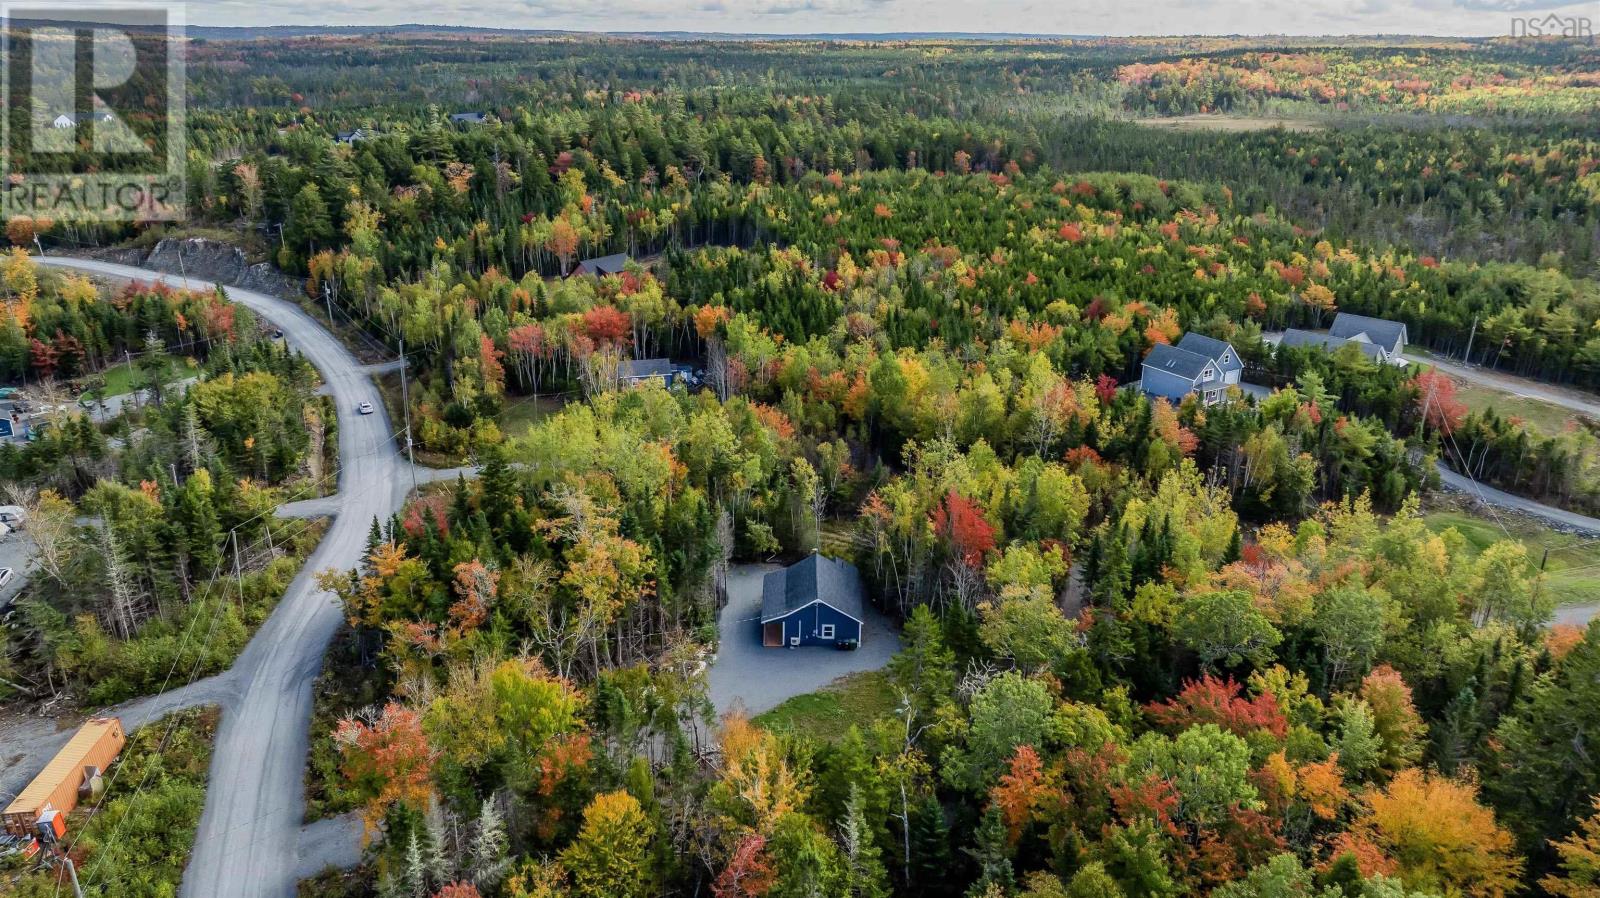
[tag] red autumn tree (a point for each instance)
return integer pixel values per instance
(749, 873)
(606, 325)
(1210, 700)
(458, 890)
(960, 522)
(1105, 387)
(1436, 399)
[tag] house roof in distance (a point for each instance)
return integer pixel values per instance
(637, 369)
(1381, 331)
(612, 264)
(1295, 337)
(818, 577)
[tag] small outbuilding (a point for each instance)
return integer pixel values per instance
(818, 601)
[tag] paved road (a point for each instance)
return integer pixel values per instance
(249, 838)
(1500, 499)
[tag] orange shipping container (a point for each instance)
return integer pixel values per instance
(96, 744)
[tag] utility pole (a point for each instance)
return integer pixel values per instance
(327, 294)
(133, 387)
(405, 406)
(1467, 358)
(72, 871)
(238, 574)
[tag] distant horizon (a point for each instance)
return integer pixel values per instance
(1025, 19)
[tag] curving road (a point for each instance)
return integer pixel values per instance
(248, 844)
(1488, 495)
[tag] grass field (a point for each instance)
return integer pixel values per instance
(859, 699)
(1574, 567)
(120, 380)
(1232, 123)
(521, 413)
(1539, 415)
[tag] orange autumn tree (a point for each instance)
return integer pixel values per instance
(1440, 837)
(1022, 792)
(388, 761)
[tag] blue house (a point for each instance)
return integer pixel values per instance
(1198, 364)
(815, 602)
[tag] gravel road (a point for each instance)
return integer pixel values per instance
(248, 844)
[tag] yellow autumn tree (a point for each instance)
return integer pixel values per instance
(1441, 838)
(1580, 860)
(610, 856)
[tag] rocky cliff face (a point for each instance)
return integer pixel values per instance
(209, 260)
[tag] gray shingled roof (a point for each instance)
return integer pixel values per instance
(641, 368)
(1379, 330)
(818, 577)
(1213, 349)
(1182, 362)
(1300, 338)
(612, 264)
(470, 118)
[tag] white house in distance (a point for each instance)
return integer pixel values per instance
(1199, 364)
(71, 119)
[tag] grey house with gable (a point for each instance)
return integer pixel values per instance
(1201, 365)
(1390, 336)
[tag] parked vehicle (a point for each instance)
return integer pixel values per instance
(6, 575)
(86, 755)
(13, 516)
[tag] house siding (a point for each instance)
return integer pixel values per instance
(1165, 383)
(807, 623)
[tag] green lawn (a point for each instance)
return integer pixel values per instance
(1574, 566)
(825, 715)
(120, 380)
(520, 414)
(1540, 416)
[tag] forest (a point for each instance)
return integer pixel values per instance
(1148, 649)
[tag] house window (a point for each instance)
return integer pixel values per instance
(1211, 396)
(827, 631)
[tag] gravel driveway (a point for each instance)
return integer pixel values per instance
(747, 675)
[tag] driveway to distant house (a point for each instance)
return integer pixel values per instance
(745, 674)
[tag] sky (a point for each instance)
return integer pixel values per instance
(1095, 17)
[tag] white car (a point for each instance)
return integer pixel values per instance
(364, 408)
(5, 575)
